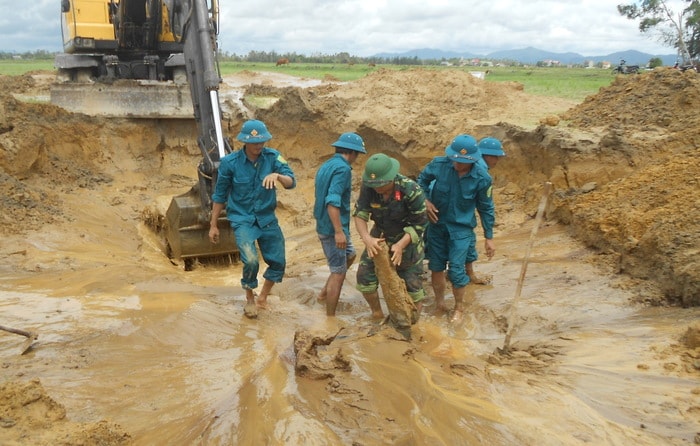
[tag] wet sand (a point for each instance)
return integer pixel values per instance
(168, 355)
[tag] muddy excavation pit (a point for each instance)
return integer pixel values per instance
(133, 349)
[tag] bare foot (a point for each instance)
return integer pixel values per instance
(261, 302)
(321, 298)
(440, 309)
(377, 316)
(457, 316)
(480, 279)
(250, 310)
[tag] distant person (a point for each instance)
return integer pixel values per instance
(333, 186)
(246, 187)
(396, 205)
(461, 187)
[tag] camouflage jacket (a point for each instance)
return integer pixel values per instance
(403, 213)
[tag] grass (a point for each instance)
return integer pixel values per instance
(340, 72)
(568, 83)
(11, 67)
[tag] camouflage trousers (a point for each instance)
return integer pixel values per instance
(410, 270)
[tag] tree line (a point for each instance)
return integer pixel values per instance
(273, 56)
(679, 29)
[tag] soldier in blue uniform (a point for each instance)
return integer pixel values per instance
(491, 150)
(461, 187)
(246, 187)
(333, 185)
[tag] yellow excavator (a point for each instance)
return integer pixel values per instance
(131, 55)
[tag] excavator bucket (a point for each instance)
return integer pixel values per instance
(125, 99)
(187, 235)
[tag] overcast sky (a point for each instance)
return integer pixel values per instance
(367, 27)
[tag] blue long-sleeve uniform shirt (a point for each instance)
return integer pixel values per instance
(239, 185)
(457, 199)
(333, 185)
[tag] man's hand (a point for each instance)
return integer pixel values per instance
(270, 181)
(396, 254)
(214, 234)
(432, 211)
(372, 245)
(490, 247)
(341, 242)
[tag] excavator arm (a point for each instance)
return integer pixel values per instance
(189, 214)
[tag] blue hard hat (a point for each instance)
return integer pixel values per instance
(351, 141)
(254, 131)
(491, 146)
(463, 149)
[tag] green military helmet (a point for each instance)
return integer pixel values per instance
(254, 131)
(351, 141)
(380, 170)
(491, 146)
(463, 149)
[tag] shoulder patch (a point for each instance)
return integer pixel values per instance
(281, 159)
(489, 192)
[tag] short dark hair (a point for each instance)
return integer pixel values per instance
(343, 151)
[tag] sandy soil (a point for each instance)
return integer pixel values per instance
(134, 350)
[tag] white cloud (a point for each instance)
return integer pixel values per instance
(367, 27)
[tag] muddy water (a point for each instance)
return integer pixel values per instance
(127, 336)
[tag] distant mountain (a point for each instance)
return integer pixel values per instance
(633, 57)
(532, 55)
(428, 53)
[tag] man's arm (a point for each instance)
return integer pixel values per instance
(341, 240)
(371, 243)
(487, 215)
(361, 215)
(417, 219)
(285, 175)
(213, 224)
(270, 180)
(426, 181)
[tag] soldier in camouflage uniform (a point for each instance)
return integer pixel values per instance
(396, 205)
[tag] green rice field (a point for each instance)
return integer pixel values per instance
(569, 83)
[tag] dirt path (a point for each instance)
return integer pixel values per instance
(134, 350)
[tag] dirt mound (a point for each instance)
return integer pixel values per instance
(47, 153)
(664, 98)
(653, 239)
(16, 84)
(412, 114)
(650, 215)
(29, 416)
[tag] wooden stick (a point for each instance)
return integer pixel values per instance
(523, 269)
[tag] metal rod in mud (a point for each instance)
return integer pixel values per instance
(523, 269)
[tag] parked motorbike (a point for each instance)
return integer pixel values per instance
(690, 66)
(623, 68)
